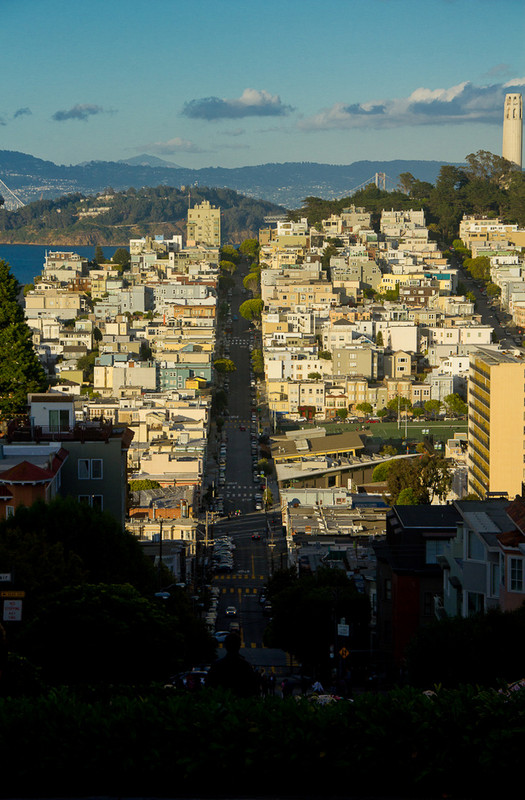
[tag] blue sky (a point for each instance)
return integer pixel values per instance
(231, 83)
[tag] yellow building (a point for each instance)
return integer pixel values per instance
(204, 225)
(496, 442)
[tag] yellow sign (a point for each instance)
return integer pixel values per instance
(343, 652)
(12, 594)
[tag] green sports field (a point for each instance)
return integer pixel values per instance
(389, 433)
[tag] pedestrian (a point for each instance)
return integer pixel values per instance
(233, 672)
(271, 684)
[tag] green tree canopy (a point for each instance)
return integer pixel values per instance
(224, 365)
(433, 407)
(455, 404)
(304, 613)
(99, 258)
(250, 248)
(380, 473)
(20, 369)
(366, 408)
(145, 483)
(427, 477)
(103, 632)
(50, 545)
(122, 257)
(230, 253)
(251, 309)
(228, 266)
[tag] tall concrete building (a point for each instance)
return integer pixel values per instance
(204, 225)
(496, 421)
(513, 128)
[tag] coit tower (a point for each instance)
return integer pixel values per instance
(513, 128)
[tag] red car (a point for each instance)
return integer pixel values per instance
(242, 428)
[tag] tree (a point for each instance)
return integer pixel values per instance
(427, 477)
(230, 253)
(380, 473)
(52, 545)
(432, 407)
(315, 376)
(122, 257)
(257, 362)
(400, 402)
(145, 352)
(379, 339)
(99, 255)
(325, 354)
(97, 334)
(456, 405)
(304, 612)
(224, 365)
(142, 485)
(479, 650)
(268, 497)
(263, 465)
(366, 408)
(383, 412)
(87, 365)
(342, 413)
(406, 182)
(251, 282)
(388, 450)
(228, 266)
(250, 249)
(109, 633)
(407, 497)
(251, 309)
(485, 167)
(20, 369)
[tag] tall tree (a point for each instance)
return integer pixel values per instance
(20, 369)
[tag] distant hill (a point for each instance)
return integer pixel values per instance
(286, 184)
(116, 217)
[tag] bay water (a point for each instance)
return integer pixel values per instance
(27, 260)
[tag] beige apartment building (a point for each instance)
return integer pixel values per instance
(496, 414)
(204, 225)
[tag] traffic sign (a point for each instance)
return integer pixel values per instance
(12, 594)
(12, 611)
(343, 652)
(5, 577)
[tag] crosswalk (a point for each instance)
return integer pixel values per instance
(241, 575)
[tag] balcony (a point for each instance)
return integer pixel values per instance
(23, 431)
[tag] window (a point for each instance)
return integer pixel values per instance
(516, 574)
(93, 500)
(59, 420)
(90, 469)
(434, 548)
(9, 511)
(475, 550)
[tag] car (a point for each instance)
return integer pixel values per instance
(220, 636)
(256, 537)
(231, 611)
(242, 428)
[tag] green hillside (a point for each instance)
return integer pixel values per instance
(115, 217)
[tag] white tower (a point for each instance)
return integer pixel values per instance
(513, 128)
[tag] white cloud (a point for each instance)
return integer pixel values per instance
(459, 104)
(252, 103)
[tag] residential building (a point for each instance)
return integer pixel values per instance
(496, 397)
(204, 225)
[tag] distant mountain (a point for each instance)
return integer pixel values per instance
(285, 184)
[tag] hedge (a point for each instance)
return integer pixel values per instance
(454, 743)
